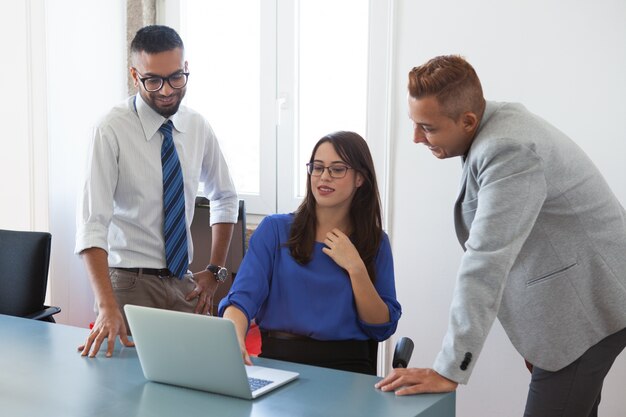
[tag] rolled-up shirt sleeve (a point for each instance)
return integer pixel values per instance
(218, 184)
(95, 203)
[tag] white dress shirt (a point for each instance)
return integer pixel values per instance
(121, 204)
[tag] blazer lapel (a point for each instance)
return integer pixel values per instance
(462, 233)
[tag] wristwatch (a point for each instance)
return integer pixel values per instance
(220, 272)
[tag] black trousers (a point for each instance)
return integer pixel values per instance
(346, 355)
(575, 390)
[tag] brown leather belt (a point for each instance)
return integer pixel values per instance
(275, 334)
(149, 271)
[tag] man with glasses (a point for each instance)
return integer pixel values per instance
(145, 163)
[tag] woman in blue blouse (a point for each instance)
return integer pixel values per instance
(320, 281)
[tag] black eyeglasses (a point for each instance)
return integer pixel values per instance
(154, 83)
(335, 171)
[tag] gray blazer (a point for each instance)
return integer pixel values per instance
(545, 246)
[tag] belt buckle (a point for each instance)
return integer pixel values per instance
(164, 273)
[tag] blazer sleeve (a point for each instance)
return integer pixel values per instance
(511, 189)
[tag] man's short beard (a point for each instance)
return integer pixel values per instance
(169, 112)
(149, 99)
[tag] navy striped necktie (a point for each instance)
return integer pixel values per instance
(174, 229)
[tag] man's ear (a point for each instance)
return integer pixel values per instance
(133, 74)
(470, 121)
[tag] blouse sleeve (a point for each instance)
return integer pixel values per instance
(386, 287)
(251, 286)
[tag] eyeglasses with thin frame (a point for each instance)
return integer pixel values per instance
(335, 171)
(154, 83)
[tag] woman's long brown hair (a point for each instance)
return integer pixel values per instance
(365, 215)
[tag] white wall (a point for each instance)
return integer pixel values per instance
(86, 59)
(23, 160)
(13, 187)
(566, 61)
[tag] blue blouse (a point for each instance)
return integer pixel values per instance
(315, 299)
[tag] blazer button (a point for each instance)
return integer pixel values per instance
(466, 361)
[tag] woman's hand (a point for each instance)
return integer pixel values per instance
(370, 307)
(343, 252)
(240, 321)
(244, 354)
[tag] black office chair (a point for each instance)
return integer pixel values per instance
(24, 261)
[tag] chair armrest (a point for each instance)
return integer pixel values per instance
(45, 314)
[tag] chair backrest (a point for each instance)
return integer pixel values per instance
(24, 262)
(201, 236)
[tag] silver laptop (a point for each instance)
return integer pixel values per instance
(199, 352)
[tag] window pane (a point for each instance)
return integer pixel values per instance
(223, 49)
(333, 45)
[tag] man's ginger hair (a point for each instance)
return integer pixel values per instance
(452, 81)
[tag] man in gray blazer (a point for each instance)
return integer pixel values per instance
(544, 240)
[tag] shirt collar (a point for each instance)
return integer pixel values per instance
(151, 121)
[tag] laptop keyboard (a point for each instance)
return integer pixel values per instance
(256, 383)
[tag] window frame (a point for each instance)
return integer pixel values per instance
(278, 190)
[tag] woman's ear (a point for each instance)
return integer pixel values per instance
(359, 179)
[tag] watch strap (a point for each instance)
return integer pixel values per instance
(213, 268)
(220, 272)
